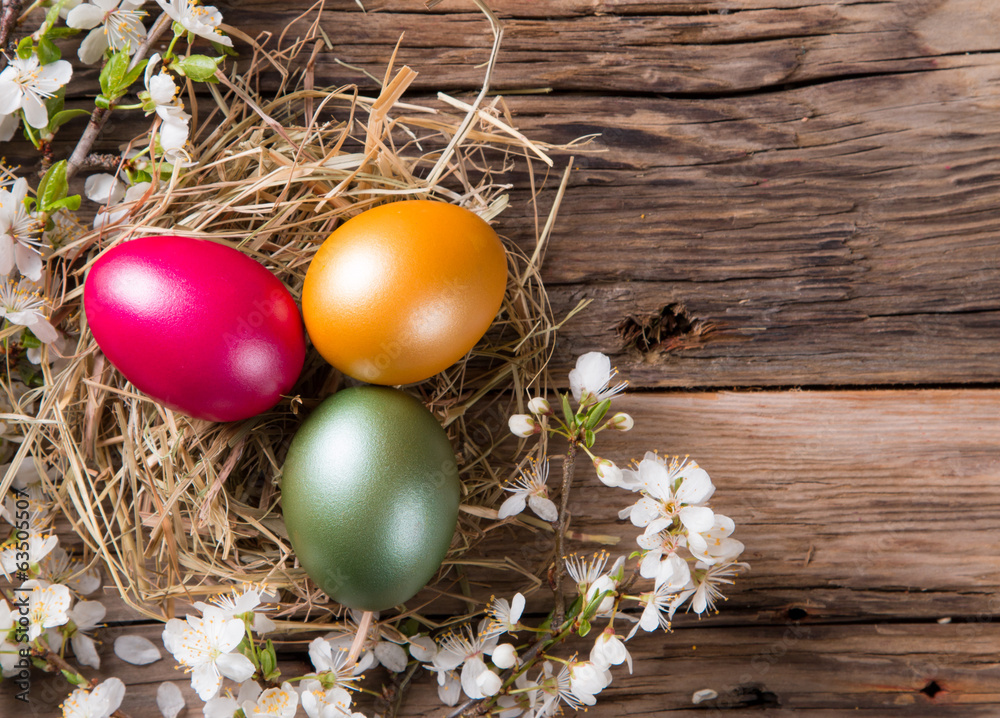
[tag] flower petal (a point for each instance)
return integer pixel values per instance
(545, 508)
(6, 254)
(206, 681)
(512, 506)
(34, 111)
(93, 46)
(169, 699)
(235, 666)
(137, 650)
(84, 650)
(85, 17)
(391, 656)
(29, 261)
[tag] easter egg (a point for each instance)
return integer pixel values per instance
(198, 326)
(404, 290)
(370, 493)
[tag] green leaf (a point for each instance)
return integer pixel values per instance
(113, 75)
(133, 74)
(268, 661)
(141, 176)
(102, 102)
(59, 119)
(74, 678)
(29, 340)
(597, 413)
(47, 51)
(72, 203)
(56, 102)
(589, 438)
(200, 68)
(60, 32)
(25, 48)
(224, 49)
(568, 413)
(53, 187)
(584, 627)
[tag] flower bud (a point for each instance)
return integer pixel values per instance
(504, 656)
(539, 406)
(608, 472)
(523, 425)
(489, 683)
(621, 422)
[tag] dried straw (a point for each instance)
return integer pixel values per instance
(176, 508)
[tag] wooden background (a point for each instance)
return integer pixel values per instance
(795, 215)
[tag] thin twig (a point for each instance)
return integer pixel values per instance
(8, 20)
(561, 533)
(100, 115)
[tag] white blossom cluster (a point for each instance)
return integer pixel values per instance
(32, 87)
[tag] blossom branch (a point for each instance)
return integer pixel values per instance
(100, 115)
(561, 526)
(55, 661)
(8, 20)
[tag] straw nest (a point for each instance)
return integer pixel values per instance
(173, 508)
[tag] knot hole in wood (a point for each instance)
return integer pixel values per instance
(667, 329)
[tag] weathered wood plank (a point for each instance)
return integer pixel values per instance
(852, 504)
(784, 669)
(692, 51)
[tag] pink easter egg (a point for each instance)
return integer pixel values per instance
(198, 326)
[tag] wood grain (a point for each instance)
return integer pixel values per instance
(789, 669)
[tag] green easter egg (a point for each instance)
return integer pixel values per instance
(370, 495)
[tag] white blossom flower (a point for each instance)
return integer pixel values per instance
(660, 561)
(112, 23)
(608, 472)
(47, 606)
(467, 649)
(85, 616)
(114, 214)
(504, 656)
(60, 567)
(163, 99)
(39, 546)
(376, 647)
(331, 703)
(552, 690)
(202, 20)
(679, 489)
(590, 380)
(707, 579)
(530, 488)
(714, 545)
(169, 699)
(226, 706)
(609, 650)
(281, 702)
(586, 680)
(524, 425)
(585, 571)
(660, 605)
(240, 603)
(99, 702)
(327, 659)
(503, 615)
(26, 83)
(19, 304)
(205, 647)
(19, 230)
